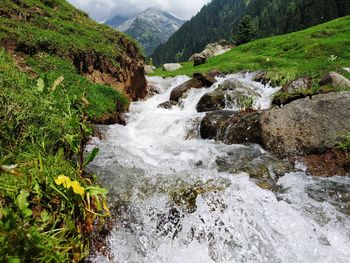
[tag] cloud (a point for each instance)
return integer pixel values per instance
(104, 9)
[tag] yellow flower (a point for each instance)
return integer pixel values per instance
(68, 183)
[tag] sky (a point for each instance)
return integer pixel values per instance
(102, 10)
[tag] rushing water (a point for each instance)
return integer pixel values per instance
(172, 204)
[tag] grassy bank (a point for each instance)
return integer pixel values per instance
(312, 52)
(48, 205)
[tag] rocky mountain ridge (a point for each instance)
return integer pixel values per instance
(150, 28)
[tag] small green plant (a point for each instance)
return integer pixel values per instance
(344, 143)
(332, 58)
(246, 103)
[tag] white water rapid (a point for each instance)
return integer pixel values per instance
(172, 204)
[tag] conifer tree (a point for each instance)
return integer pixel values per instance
(246, 30)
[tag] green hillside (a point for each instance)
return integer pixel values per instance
(220, 19)
(56, 71)
(312, 52)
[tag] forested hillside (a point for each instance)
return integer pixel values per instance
(220, 20)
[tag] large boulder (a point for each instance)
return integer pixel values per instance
(307, 125)
(336, 80)
(231, 92)
(214, 49)
(199, 81)
(171, 66)
(232, 127)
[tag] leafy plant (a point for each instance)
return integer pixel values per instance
(344, 143)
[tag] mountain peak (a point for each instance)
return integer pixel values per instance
(151, 27)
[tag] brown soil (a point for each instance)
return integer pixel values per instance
(331, 163)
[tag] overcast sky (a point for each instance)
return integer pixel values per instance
(101, 10)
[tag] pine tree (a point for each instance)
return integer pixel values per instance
(246, 30)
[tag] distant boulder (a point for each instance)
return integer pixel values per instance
(214, 49)
(171, 66)
(149, 69)
(336, 80)
(199, 59)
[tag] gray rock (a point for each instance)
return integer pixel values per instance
(168, 104)
(307, 125)
(149, 69)
(303, 83)
(347, 69)
(171, 66)
(231, 93)
(232, 127)
(214, 49)
(336, 80)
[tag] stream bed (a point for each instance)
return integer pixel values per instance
(171, 203)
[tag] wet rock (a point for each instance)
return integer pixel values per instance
(260, 165)
(152, 89)
(199, 81)
(207, 80)
(303, 83)
(171, 66)
(338, 194)
(199, 59)
(110, 118)
(336, 80)
(231, 93)
(306, 126)
(261, 76)
(177, 92)
(216, 73)
(232, 127)
(168, 104)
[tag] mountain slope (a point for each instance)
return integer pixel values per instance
(325, 48)
(220, 18)
(150, 28)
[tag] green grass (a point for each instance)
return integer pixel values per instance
(103, 99)
(312, 52)
(55, 26)
(46, 106)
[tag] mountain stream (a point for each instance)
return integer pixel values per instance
(171, 203)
